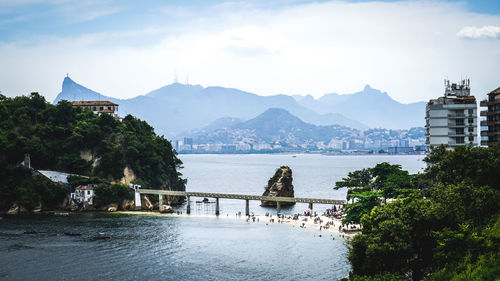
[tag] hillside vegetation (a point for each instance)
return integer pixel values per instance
(66, 138)
(444, 224)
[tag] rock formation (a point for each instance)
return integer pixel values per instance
(166, 209)
(16, 209)
(280, 185)
(112, 207)
(146, 203)
(127, 205)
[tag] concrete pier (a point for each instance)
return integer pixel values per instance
(160, 200)
(188, 207)
(245, 197)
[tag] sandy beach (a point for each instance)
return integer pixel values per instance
(321, 224)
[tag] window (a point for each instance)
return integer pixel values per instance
(471, 120)
(471, 139)
(101, 108)
(460, 140)
(109, 107)
(471, 130)
(94, 108)
(471, 111)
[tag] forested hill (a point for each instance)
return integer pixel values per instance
(66, 138)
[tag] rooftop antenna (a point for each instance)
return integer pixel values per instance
(187, 78)
(176, 80)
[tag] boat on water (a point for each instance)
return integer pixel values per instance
(101, 236)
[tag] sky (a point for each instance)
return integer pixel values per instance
(125, 48)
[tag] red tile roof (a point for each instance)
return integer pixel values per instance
(93, 103)
(85, 187)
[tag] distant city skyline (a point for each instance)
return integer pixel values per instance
(124, 48)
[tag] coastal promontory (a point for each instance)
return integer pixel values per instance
(107, 153)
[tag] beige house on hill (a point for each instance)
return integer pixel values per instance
(99, 107)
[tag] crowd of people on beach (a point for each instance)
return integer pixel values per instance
(325, 221)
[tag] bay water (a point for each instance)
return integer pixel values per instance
(156, 247)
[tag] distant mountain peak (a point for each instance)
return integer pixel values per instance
(67, 82)
(72, 91)
(367, 88)
(276, 110)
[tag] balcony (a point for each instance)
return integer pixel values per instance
(487, 113)
(489, 133)
(489, 123)
(495, 100)
(488, 143)
(461, 116)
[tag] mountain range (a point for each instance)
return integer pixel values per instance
(370, 106)
(274, 125)
(176, 109)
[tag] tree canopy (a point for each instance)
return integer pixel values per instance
(451, 233)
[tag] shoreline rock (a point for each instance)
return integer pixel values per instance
(166, 209)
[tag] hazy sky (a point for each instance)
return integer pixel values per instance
(127, 48)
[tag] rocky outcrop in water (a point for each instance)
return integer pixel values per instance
(280, 185)
(16, 209)
(166, 209)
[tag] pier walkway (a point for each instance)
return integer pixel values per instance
(247, 198)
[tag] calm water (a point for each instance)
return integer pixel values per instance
(150, 247)
(314, 176)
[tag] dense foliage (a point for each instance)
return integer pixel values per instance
(445, 226)
(57, 136)
(367, 188)
(20, 184)
(111, 193)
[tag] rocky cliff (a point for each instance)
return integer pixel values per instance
(280, 185)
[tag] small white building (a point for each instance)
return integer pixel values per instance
(84, 194)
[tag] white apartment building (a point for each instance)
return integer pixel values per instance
(452, 119)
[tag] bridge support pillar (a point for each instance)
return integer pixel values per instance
(247, 208)
(137, 200)
(188, 207)
(160, 200)
(217, 206)
(278, 207)
(311, 207)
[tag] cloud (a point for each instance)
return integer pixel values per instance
(485, 32)
(404, 48)
(96, 13)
